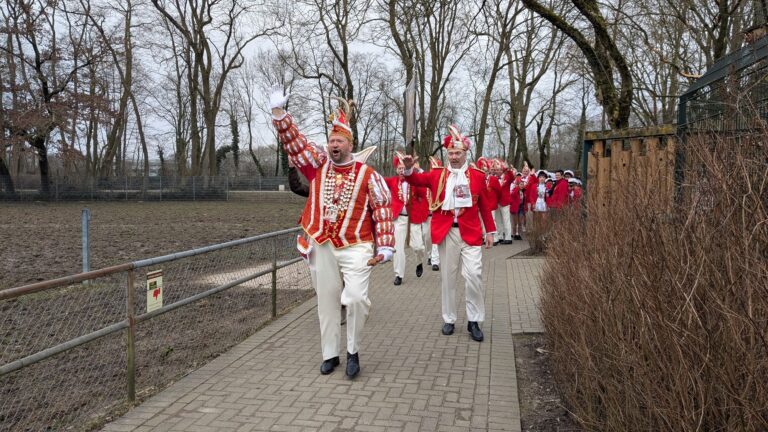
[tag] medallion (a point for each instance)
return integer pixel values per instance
(331, 213)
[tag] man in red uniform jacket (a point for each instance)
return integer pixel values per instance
(410, 209)
(559, 197)
(494, 189)
(460, 199)
(500, 170)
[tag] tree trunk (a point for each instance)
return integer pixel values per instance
(7, 180)
(42, 156)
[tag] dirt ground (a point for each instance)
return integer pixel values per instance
(541, 408)
(40, 241)
(84, 387)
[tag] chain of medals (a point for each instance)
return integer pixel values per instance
(337, 193)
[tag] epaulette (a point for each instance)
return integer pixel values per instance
(478, 170)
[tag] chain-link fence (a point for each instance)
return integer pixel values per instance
(152, 188)
(76, 350)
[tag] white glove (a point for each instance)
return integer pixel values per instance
(386, 253)
(276, 97)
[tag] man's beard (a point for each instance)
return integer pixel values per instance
(339, 156)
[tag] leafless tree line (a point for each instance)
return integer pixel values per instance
(95, 88)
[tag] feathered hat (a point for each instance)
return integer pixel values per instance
(396, 161)
(338, 119)
(434, 162)
(455, 140)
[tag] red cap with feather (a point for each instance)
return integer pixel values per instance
(339, 123)
(455, 140)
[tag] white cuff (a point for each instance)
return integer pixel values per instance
(285, 113)
(386, 252)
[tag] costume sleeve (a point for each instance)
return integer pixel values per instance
(303, 154)
(420, 192)
(381, 210)
(418, 179)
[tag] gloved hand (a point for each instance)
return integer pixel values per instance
(384, 255)
(277, 98)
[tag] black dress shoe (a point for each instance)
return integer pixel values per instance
(474, 331)
(435, 267)
(507, 241)
(518, 237)
(398, 280)
(419, 270)
(447, 329)
(429, 261)
(496, 243)
(328, 365)
(353, 365)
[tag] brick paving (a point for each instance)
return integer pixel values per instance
(412, 379)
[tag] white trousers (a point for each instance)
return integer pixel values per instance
(503, 224)
(430, 247)
(455, 254)
(328, 265)
(426, 231)
(416, 242)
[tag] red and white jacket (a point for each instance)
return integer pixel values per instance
(468, 218)
(559, 197)
(530, 193)
(414, 199)
(515, 195)
(494, 190)
(505, 197)
(366, 218)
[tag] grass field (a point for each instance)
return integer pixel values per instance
(40, 241)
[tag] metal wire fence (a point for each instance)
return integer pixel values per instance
(76, 350)
(152, 188)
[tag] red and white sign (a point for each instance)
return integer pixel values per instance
(154, 290)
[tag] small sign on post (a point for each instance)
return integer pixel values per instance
(154, 290)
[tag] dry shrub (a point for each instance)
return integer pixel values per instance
(658, 312)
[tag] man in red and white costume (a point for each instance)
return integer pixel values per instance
(494, 189)
(434, 163)
(348, 209)
(461, 199)
(500, 170)
(559, 197)
(409, 206)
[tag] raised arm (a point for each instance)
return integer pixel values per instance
(304, 154)
(413, 177)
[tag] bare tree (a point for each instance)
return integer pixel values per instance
(212, 31)
(612, 76)
(46, 70)
(499, 18)
(528, 59)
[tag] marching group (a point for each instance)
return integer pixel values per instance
(512, 195)
(355, 219)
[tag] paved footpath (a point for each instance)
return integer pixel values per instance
(412, 377)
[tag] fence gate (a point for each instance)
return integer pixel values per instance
(610, 159)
